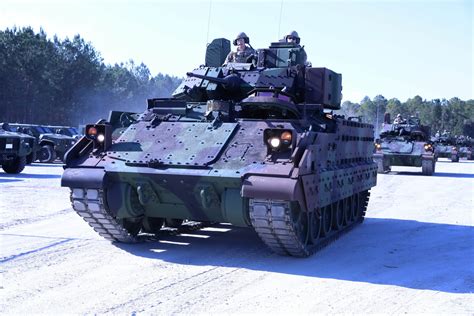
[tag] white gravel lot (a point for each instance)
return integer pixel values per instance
(413, 254)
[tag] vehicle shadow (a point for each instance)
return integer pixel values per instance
(46, 164)
(8, 180)
(404, 253)
(23, 175)
(461, 160)
(436, 174)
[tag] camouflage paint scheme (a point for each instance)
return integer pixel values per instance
(405, 144)
(51, 145)
(465, 145)
(446, 147)
(16, 150)
(206, 155)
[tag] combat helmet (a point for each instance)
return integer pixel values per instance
(293, 34)
(241, 35)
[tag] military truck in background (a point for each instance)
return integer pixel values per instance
(66, 130)
(404, 144)
(16, 149)
(446, 146)
(252, 144)
(51, 144)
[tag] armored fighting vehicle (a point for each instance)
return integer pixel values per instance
(51, 144)
(16, 149)
(466, 147)
(406, 143)
(446, 147)
(252, 144)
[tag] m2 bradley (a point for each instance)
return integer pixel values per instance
(466, 147)
(404, 143)
(252, 144)
(447, 146)
(16, 149)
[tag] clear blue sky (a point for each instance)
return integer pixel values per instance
(394, 48)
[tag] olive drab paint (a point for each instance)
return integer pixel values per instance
(16, 149)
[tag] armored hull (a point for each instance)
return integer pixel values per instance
(405, 145)
(466, 152)
(447, 151)
(296, 174)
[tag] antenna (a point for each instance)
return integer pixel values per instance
(208, 21)
(279, 22)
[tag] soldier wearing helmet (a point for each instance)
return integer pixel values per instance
(244, 50)
(294, 38)
(399, 119)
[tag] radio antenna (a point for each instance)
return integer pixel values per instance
(279, 22)
(208, 21)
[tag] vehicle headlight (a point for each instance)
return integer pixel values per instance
(100, 134)
(428, 147)
(378, 146)
(275, 142)
(278, 139)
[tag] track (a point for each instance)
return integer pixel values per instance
(275, 223)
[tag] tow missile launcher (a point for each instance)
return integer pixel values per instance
(251, 144)
(405, 144)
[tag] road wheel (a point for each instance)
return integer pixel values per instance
(338, 215)
(15, 166)
(46, 154)
(326, 219)
(133, 225)
(348, 218)
(355, 206)
(300, 223)
(173, 222)
(152, 225)
(315, 223)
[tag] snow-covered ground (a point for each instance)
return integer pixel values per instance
(413, 254)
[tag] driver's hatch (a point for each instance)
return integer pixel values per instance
(398, 147)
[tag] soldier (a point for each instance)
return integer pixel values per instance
(294, 38)
(243, 52)
(399, 119)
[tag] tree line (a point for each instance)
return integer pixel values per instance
(454, 115)
(66, 82)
